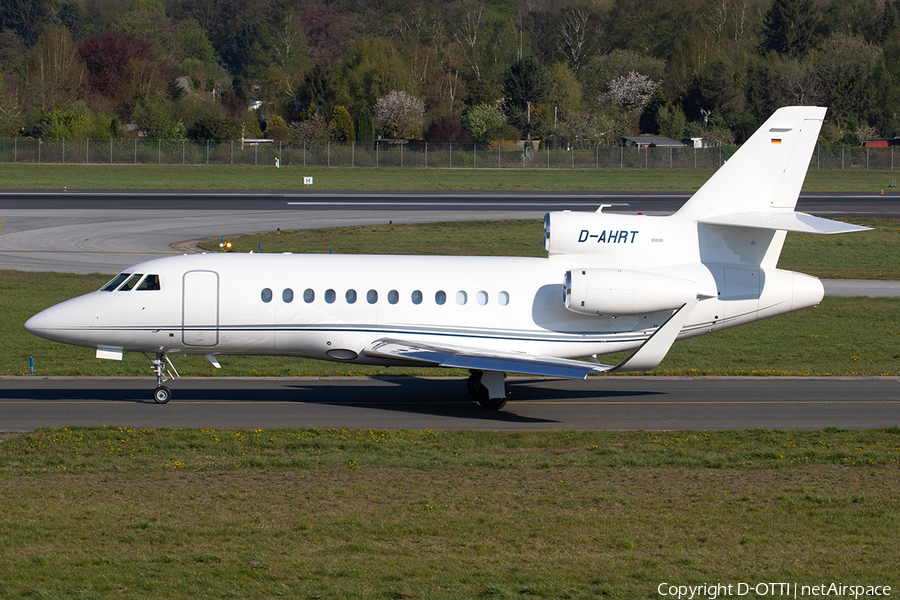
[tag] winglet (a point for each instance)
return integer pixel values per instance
(654, 349)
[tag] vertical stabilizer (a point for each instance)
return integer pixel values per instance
(765, 175)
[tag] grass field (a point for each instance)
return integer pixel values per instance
(94, 513)
(156, 177)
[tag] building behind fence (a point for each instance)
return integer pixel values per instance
(505, 155)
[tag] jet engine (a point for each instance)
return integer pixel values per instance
(624, 292)
(597, 232)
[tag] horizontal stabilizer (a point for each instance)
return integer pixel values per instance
(784, 221)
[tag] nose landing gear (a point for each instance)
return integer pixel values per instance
(163, 373)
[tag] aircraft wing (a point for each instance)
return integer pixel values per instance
(472, 358)
(647, 356)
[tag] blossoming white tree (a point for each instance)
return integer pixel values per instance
(399, 115)
(630, 92)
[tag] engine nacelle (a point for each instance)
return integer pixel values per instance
(597, 232)
(624, 292)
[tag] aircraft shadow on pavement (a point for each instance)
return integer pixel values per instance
(409, 395)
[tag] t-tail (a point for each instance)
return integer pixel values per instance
(758, 188)
(717, 255)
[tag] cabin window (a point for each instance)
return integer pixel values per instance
(266, 295)
(115, 282)
(150, 283)
(461, 297)
(350, 296)
(330, 296)
(440, 297)
(309, 295)
(503, 298)
(393, 297)
(482, 298)
(417, 297)
(287, 295)
(372, 296)
(132, 281)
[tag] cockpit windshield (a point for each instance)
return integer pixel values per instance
(132, 281)
(115, 282)
(148, 283)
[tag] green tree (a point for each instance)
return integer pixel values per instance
(11, 112)
(524, 83)
(371, 69)
(885, 115)
(649, 121)
(194, 42)
(316, 93)
(72, 16)
(26, 17)
(148, 20)
(277, 129)
(481, 121)
(58, 125)
(849, 17)
(153, 117)
(479, 91)
(717, 90)
(564, 91)
(365, 128)
(671, 121)
(342, 123)
(789, 25)
(845, 71)
(13, 57)
(216, 127)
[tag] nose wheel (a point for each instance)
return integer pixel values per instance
(162, 394)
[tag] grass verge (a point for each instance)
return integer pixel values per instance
(101, 512)
(163, 177)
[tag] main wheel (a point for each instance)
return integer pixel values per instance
(161, 394)
(474, 387)
(491, 403)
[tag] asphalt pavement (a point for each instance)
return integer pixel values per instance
(600, 403)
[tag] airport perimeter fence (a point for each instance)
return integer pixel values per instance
(503, 155)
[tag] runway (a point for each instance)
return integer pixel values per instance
(600, 403)
(107, 231)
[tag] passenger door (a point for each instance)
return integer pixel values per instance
(200, 308)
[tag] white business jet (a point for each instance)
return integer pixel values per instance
(611, 282)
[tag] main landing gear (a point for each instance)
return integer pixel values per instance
(488, 388)
(163, 373)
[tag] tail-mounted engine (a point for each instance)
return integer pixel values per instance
(610, 234)
(623, 292)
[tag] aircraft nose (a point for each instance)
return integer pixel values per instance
(69, 322)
